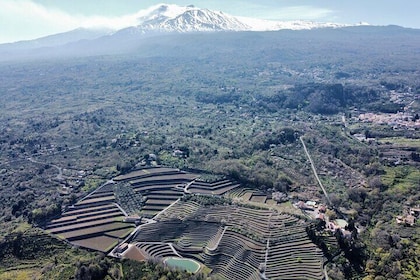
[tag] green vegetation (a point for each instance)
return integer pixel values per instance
(232, 111)
(400, 180)
(91, 184)
(32, 253)
(206, 200)
(131, 201)
(35, 255)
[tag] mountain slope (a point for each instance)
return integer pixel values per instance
(173, 18)
(278, 45)
(58, 39)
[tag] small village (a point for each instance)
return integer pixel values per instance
(397, 120)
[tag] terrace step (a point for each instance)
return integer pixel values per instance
(82, 225)
(76, 210)
(146, 172)
(101, 194)
(105, 188)
(164, 186)
(85, 219)
(93, 232)
(69, 220)
(90, 201)
(175, 178)
(157, 250)
(214, 191)
(163, 196)
(153, 207)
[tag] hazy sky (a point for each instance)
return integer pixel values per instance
(29, 19)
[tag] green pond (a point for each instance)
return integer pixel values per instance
(187, 264)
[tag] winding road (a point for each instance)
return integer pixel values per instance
(60, 170)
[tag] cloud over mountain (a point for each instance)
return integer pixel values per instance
(34, 20)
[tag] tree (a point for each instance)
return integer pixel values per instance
(376, 183)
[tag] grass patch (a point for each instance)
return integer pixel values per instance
(22, 227)
(401, 180)
(92, 184)
(22, 274)
(401, 141)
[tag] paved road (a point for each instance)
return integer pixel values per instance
(187, 186)
(314, 170)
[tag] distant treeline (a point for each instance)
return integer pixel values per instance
(318, 98)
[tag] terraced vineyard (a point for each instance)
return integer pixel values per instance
(234, 241)
(95, 222)
(158, 186)
(216, 188)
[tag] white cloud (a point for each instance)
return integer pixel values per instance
(303, 12)
(24, 20)
(279, 12)
(298, 13)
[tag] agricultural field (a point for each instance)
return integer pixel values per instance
(216, 224)
(234, 241)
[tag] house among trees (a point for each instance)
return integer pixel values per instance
(178, 153)
(303, 206)
(415, 212)
(408, 220)
(311, 203)
(409, 217)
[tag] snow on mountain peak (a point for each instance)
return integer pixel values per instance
(168, 17)
(167, 10)
(174, 18)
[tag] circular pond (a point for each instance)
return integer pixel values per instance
(183, 264)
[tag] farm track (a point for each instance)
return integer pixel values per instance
(314, 170)
(59, 169)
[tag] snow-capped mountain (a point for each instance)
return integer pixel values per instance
(173, 18)
(167, 18)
